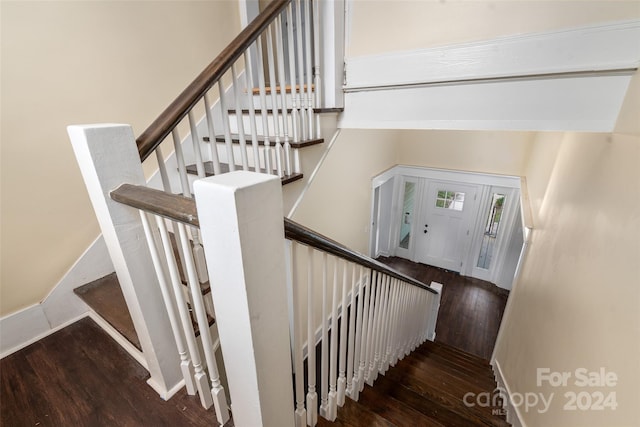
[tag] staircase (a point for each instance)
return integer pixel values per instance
(426, 388)
(181, 266)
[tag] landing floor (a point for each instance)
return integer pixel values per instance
(79, 376)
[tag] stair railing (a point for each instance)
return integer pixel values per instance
(271, 121)
(224, 89)
(280, 292)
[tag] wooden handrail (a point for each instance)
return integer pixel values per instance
(302, 234)
(167, 205)
(171, 116)
(183, 209)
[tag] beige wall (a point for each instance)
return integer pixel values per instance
(576, 303)
(356, 157)
(499, 152)
(629, 119)
(82, 62)
(394, 25)
(540, 163)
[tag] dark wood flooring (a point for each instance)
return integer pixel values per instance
(79, 376)
(470, 309)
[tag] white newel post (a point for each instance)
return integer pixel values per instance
(431, 336)
(108, 157)
(241, 220)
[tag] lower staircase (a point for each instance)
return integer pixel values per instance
(426, 388)
(436, 385)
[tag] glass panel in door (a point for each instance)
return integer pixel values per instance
(408, 203)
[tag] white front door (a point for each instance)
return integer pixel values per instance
(444, 233)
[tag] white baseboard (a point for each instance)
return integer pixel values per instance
(25, 327)
(60, 308)
(514, 416)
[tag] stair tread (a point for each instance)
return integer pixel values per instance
(460, 353)
(443, 392)
(224, 168)
(261, 138)
(393, 410)
(105, 297)
(289, 110)
(482, 372)
(446, 414)
(435, 368)
(354, 414)
(287, 88)
(449, 352)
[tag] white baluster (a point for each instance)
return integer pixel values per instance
(227, 127)
(324, 363)
(374, 355)
(195, 140)
(162, 167)
(219, 398)
(352, 327)
(252, 111)
(185, 361)
(198, 251)
(201, 381)
(385, 327)
(292, 74)
(182, 168)
(332, 408)
(264, 109)
(283, 96)
(405, 321)
(300, 57)
(344, 325)
(312, 396)
(365, 330)
(371, 335)
(394, 323)
(355, 391)
(300, 412)
(434, 310)
(416, 319)
(424, 320)
(316, 63)
(274, 102)
(241, 135)
(309, 69)
(213, 145)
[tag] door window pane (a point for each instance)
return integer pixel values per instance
(407, 213)
(450, 200)
(492, 226)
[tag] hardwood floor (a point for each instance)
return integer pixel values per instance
(470, 310)
(79, 376)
